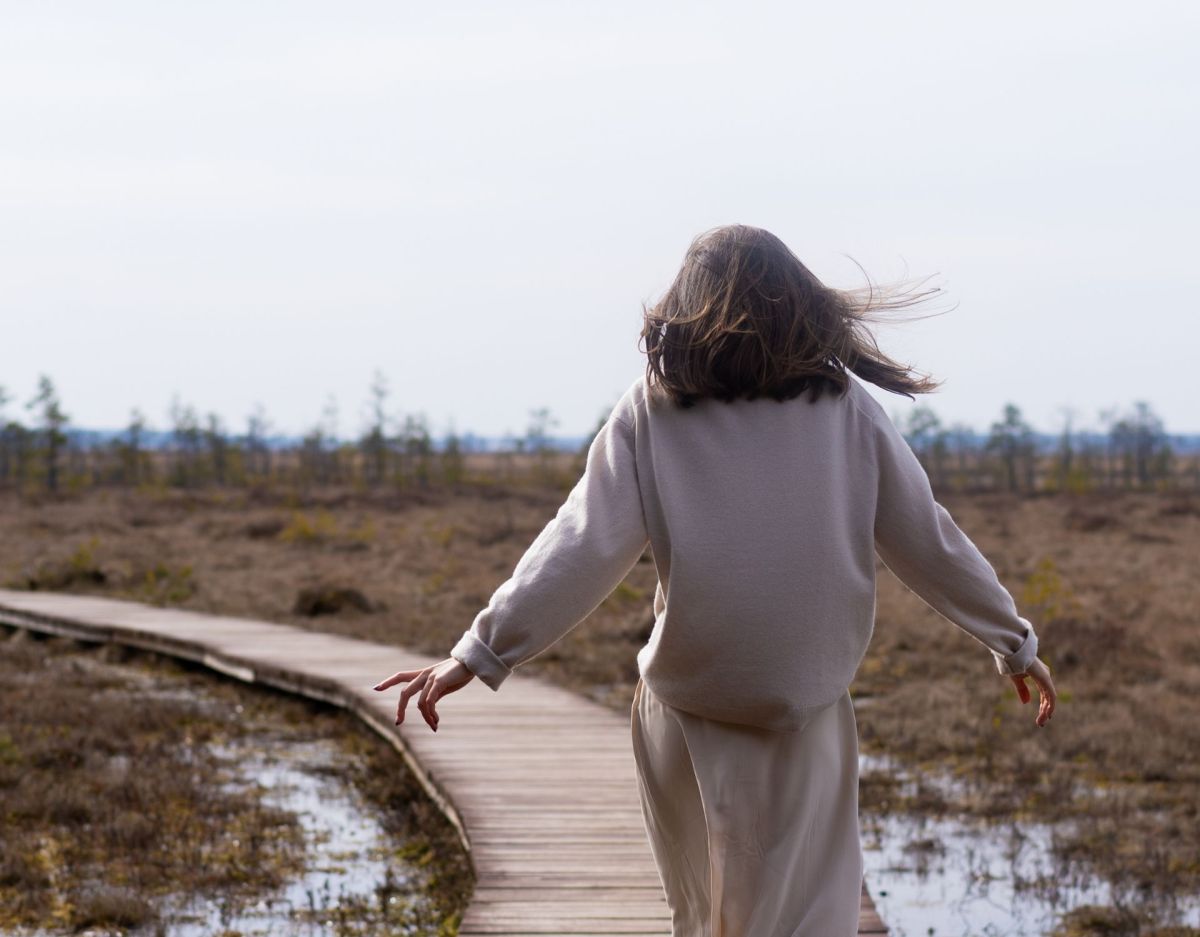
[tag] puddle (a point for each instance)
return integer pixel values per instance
(355, 881)
(971, 878)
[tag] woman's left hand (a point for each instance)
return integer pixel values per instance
(434, 682)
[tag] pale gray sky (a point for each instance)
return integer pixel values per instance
(266, 202)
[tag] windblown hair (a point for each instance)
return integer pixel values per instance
(745, 318)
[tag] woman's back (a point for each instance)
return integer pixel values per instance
(761, 516)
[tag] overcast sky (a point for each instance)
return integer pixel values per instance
(266, 202)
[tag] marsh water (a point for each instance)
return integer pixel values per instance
(960, 877)
(355, 879)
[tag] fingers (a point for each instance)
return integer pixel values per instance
(429, 693)
(431, 689)
(408, 691)
(1049, 699)
(395, 678)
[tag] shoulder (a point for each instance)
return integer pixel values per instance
(632, 403)
(875, 424)
(863, 402)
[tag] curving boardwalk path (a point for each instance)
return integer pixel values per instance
(538, 781)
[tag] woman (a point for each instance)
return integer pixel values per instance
(767, 481)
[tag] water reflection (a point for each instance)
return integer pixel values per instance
(356, 880)
(963, 877)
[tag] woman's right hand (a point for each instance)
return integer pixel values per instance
(1041, 676)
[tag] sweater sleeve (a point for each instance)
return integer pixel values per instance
(579, 557)
(919, 541)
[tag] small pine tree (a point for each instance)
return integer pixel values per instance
(130, 452)
(1012, 439)
(1142, 446)
(374, 442)
(51, 418)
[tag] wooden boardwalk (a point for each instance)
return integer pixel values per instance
(538, 781)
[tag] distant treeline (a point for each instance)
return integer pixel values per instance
(1133, 451)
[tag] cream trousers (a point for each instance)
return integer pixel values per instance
(755, 832)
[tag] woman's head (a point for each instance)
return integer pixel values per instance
(745, 318)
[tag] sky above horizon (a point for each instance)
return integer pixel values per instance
(265, 204)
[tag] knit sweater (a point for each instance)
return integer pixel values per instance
(764, 518)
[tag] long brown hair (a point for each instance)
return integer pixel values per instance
(745, 318)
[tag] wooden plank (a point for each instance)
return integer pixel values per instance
(540, 782)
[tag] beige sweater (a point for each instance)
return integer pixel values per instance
(764, 518)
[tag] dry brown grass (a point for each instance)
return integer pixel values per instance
(1109, 579)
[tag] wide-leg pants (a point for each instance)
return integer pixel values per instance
(755, 832)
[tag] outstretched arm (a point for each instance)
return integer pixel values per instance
(579, 557)
(919, 541)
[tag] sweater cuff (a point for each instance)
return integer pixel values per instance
(480, 659)
(1020, 659)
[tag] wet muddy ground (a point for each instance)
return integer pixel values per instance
(145, 796)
